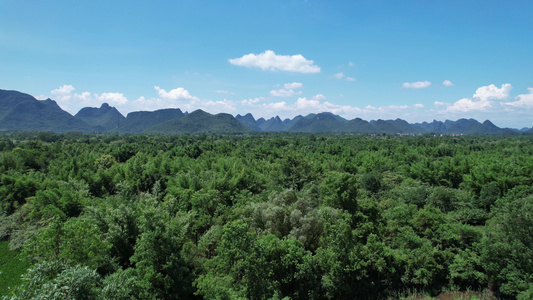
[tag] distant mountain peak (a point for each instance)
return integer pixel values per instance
(48, 100)
(105, 118)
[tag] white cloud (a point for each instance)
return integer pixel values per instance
(73, 102)
(418, 106)
(469, 104)
(447, 83)
(491, 92)
(111, 98)
(339, 75)
(288, 90)
(293, 85)
(182, 99)
(62, 95)
(175, 94)
(416, 85)
(175, 98)
(284, 93)
(269, 60)
(85, 97)
(319, 97)
(523, 100)
(318, 103)
(302, 106)
(63, 90)
(222, 106)
(252, 101)
(483, 100)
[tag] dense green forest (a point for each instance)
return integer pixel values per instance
(265, 216)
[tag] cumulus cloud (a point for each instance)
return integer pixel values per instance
(175, 94)
(492, 92)
(288, 90)
(72, 102)
(63, 91)
(483, 100)
(269, 60)
(293, 85)
(63, 95)
(341, 76)
(416, 85)
(523, 100)
(447, 83)
(181, 98)
(469, 104)
(419, 106)
(111, 98)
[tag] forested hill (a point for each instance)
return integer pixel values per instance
(200, 122)
(19, 111)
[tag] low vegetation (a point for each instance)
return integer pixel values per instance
(11, 269)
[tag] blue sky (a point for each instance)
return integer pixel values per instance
(415, 60)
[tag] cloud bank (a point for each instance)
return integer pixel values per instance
(487, 102)
(179, 97)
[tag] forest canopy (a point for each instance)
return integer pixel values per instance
(266, 216)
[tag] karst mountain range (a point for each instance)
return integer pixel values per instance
(20, 111)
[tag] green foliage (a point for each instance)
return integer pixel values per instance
(254, 268)
(296, 172)
(507, 247)
(75, 241)
(284, 216)
(371, 182)
(160, 269)
(340, 191)
(15, 188)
